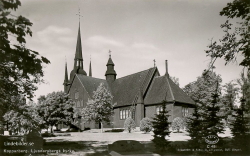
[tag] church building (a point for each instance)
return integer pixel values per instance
(145, 90)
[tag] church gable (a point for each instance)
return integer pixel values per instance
(163, 88)
(78, 93)
(126, 89)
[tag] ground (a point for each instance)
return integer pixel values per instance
(94, 143)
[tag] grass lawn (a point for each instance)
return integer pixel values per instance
(94, 143)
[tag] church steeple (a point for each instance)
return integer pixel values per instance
(78, 61)
(110, 73)
(90, 68)
(66, 80)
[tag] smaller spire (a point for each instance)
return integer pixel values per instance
(90, 68)
(66, 72)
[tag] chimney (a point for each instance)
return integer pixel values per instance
(166, 66)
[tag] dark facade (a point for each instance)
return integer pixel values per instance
(145, 90)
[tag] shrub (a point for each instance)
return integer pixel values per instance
(146, 125)
(129, 124)
(177, 124)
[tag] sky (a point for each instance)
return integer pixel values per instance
(136, 32)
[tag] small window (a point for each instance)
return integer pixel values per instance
(76, 95)
(124, 113)
(120, 114)
(184, 111)
(158, 109)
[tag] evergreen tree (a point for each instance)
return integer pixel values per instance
(161, 129)
(240, 129)
(205, 121)
(195, 129)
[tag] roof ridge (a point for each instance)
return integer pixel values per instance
(91, 77)
(135, 73)
(170, 89)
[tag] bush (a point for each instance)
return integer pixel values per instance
(177, 124)
(146, 125)
(129, 124)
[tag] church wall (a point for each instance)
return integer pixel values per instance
(80, 96)
(118, 122)
(150, 111)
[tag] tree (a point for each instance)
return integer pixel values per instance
(146, 125)
(22, 122)
(229, 99)
(56, 108)
(129, 124)
(234, 42)
(244, 83)
(240, 128)
(205, 121)
(175, 80)
(100, 107)
(177, 124)
(161, 129)
(194, 131)
(202, 89)
(20, 67)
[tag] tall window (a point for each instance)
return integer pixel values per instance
(184, 111)
(158, 109)
(76, 95)
(124, 113)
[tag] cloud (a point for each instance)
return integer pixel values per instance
(101, 42)
(144, 46)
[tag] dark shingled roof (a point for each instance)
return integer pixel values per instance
(91, 83)
(125, 89)
(163, 88)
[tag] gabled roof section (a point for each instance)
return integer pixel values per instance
(125, 89)
(163, 88)
(91, 84)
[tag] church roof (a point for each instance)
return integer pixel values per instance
(163, 88)
(125, 89)
(154, 88)
(91, 83)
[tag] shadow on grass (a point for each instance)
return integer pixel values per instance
(88, 148)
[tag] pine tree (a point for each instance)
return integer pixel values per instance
(195, 129)
(205, 121)
(241, 138)
(161, 129)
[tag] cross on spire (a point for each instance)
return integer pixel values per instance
(79, 14)
(154, 62)
(109, 54)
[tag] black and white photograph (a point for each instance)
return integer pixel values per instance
(124, 78)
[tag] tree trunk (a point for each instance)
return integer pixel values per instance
(101, 127)
(51, 129)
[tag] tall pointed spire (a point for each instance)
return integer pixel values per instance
(66, 80)
(90, 68)
(78, 54)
